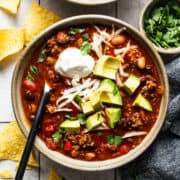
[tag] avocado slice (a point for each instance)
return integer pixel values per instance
(95, 99)
(108, 85)
(131, 84)
(110, 98)
(87, 107)
(113, 116)
(71, 126)
(142, 102)
(107, 66)
(94, 121)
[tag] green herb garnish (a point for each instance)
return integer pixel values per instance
(78, 99)
(99, 133)
(162, 25)
(29, 76)
(85, 37)
(42, 56)
(62, 146)
(85, 48)
(34, 69)
(111, 139)
(81, 118)
(73, 31)
(56, 137)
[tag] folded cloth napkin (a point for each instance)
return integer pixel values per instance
(162, 160)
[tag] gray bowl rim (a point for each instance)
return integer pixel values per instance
(62, 159)
(91, 4)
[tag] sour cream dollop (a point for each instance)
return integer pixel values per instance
(71, 63)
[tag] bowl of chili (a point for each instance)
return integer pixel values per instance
(109, 92)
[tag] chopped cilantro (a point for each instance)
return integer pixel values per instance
(162, 25)
(62, 146)
(34, 69)
(77, 98)
(85, 48)
(111, 139)
(29, 76)
(99, 133)
(56, 137)
(42, 55)
(85, 37)
(73, 31)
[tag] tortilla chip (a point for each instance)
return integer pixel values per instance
(11, 6)
(27, 167)
(53, 175)
(11, 41)
(37, 20)
(6, 174)
(12, 143)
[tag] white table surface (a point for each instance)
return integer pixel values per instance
(127, 10)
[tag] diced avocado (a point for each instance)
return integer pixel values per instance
(131, 84)
(87, 107)
(108, 85)
(142, 102)
(113, 115)
(94, 121)
(107, 66)
(95, 99)
(71, 126)
(110, 98)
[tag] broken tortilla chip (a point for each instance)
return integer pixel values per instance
(53, 175)
(12, 41)
(12, 144)
(38, 19)
(27, 167)
(11, 6)
(6, 174)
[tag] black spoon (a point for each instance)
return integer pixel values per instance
(32, 134)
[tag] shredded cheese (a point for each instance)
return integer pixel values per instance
(83, 90)
(134, 133)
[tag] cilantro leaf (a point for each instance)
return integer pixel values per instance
(111, 139)
(34, 70)
(56, 137)
(42, 56)
(85, 48)
(85, 37)
(74, 30)
(29, 76)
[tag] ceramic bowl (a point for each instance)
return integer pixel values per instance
(145, 12)
(39, 144)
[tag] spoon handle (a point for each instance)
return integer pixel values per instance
(32, 134)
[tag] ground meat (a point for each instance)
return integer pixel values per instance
(81, 144)
(134, 120)
(50, 108)
(50, 61)
(62, 38)
(82, 140)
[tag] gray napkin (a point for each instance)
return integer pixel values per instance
(162, 160)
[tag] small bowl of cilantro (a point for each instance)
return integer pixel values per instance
(160, 23)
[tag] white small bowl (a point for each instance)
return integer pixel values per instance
(91, 2)
(146, 10)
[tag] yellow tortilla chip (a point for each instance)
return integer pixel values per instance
(11, 42)
(12, 143)
(37, 20)
(10, 6)
(53, 175)
(27, 167)
(6, 174)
